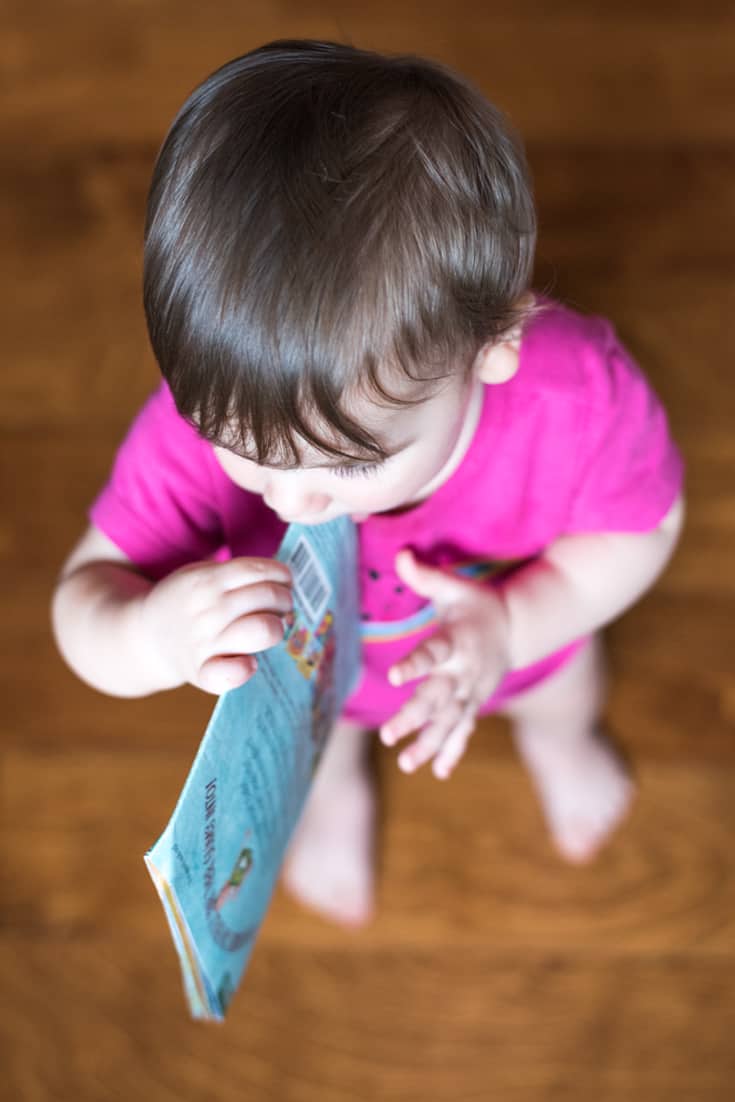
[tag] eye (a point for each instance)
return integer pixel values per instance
(352, 470)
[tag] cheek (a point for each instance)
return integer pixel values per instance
(424, 463)
(244, 474)
(380, 491)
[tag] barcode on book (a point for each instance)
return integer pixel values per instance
(310, 583)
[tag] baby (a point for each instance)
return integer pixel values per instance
(338, 251)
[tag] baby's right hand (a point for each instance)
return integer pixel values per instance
(204, 622)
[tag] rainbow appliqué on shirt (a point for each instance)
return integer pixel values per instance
(387, 631)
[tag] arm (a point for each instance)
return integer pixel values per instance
(93, 614)
(581, 583)
(128, 636)
(578, 585)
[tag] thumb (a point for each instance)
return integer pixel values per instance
(428, 581)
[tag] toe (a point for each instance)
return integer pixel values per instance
(579, 845)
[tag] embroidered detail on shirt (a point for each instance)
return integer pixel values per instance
(387, 631)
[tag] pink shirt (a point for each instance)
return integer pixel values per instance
(575, 442)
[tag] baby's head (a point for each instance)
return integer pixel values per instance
(338, 244)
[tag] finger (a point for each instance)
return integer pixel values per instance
(219, 675)
(246, 599)
(429, 581)
(430, 695)
(431, 739)
(429, 654)
(249, 634)
(246, 570)
(454, 746)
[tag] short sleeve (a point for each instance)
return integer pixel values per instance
(158, 505)
(629, 471)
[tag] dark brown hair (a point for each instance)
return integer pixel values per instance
(320, 218)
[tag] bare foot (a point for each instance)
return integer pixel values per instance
(584, 788)
(329, 865)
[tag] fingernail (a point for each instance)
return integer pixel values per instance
(406, 764)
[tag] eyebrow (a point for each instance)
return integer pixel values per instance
(347, 461)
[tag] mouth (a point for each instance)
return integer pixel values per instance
(312, 518)
(321, 518)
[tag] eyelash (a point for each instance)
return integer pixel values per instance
(356, 469)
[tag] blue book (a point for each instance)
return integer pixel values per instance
(216, 864)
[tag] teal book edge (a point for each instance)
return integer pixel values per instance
(216, 865)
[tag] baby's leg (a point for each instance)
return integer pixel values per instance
(330, 861)
(584, 788)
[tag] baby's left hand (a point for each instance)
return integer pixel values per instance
(462, 662)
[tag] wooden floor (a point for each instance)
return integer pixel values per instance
(493, 972)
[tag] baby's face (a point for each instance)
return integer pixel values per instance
(427, 442)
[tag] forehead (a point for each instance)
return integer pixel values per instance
(393, 425)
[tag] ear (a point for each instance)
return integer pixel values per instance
(498, 362)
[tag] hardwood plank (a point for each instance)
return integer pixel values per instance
(463, 864)
(471, 1024)
(646, 77)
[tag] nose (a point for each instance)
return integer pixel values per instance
(287, 496)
